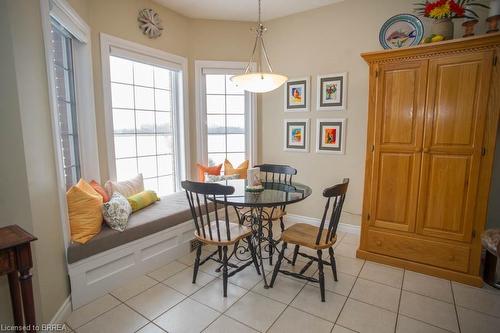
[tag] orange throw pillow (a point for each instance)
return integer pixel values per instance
(241, 170)
(99, 189)
(213, 170)
(84, 210)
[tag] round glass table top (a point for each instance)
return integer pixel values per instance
(274, 194)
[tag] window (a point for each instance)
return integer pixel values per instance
(143, 111)
(62, 58)
(225, 113)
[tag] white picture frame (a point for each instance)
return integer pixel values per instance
(294, 144)
(338, 127)
(303, 85)
(335, 100)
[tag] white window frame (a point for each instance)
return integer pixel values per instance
(223, 67)
(111, 45)
(66, 16)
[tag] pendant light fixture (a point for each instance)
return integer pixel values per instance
(260, 81)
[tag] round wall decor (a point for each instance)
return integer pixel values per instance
(150, 23)
(401, 31)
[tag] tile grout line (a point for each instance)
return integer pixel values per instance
(88, 321)
(455, 307)
(349, 294)
(399, 302)
(286, 307)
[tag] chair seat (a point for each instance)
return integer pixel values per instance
(237, 232)
(305, 235)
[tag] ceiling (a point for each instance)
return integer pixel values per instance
(241, 10)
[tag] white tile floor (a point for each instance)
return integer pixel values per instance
(367, 298)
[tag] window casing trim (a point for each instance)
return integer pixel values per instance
(66, 16)
(111, 45)
(203, 67)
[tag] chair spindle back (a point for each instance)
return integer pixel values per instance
(277, 173)
(336, 195)
(200, 197)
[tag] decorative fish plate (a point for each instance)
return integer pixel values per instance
(401, 30)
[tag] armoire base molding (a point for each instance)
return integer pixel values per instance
(421, 268)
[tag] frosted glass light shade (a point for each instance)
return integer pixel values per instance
(259, 82)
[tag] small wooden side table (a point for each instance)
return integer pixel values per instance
(16, 262)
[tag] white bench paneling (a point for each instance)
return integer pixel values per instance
(97, 275)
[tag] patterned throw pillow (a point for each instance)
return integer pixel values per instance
(214, 179)
(116, 212)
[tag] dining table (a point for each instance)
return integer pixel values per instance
(254, 209)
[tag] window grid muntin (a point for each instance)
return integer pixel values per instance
(59, 32)
(155, 133)
(225, 114)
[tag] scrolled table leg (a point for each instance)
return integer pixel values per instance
(257, 219)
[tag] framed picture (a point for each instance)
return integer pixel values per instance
(296, 135)
(332, 92)
(297, 95)
(330, 136)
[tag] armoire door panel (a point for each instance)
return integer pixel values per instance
(457, 94)
(396, 184)
(400, 105)
(399, 118)
(454, 106)
(448, 177)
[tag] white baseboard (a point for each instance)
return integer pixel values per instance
(61, 315)
(344, 227)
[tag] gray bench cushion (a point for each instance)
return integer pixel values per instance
(170, 211)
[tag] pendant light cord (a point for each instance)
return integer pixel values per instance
(259, 31)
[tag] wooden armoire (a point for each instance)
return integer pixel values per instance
(432, 123)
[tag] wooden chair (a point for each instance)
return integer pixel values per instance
(213, 229)
(316, 238)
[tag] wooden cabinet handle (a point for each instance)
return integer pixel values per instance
(378, 243)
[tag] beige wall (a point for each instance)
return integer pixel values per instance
(323, 41)
(12, 168)
(37, 204)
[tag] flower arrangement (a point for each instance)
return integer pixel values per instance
(449, 9)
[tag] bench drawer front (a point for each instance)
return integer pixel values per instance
(5, 263)
(455, 257)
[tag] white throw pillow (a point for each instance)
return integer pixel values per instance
(127, 187)
(116, 212)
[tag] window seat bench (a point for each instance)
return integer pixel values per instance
(155, 236)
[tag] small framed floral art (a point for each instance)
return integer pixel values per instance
(332, 92)
(330, 136)
(296, 135)
(297, 95)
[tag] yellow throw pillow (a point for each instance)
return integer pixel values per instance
(241, 170)
(143, 199)
(84, 210)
